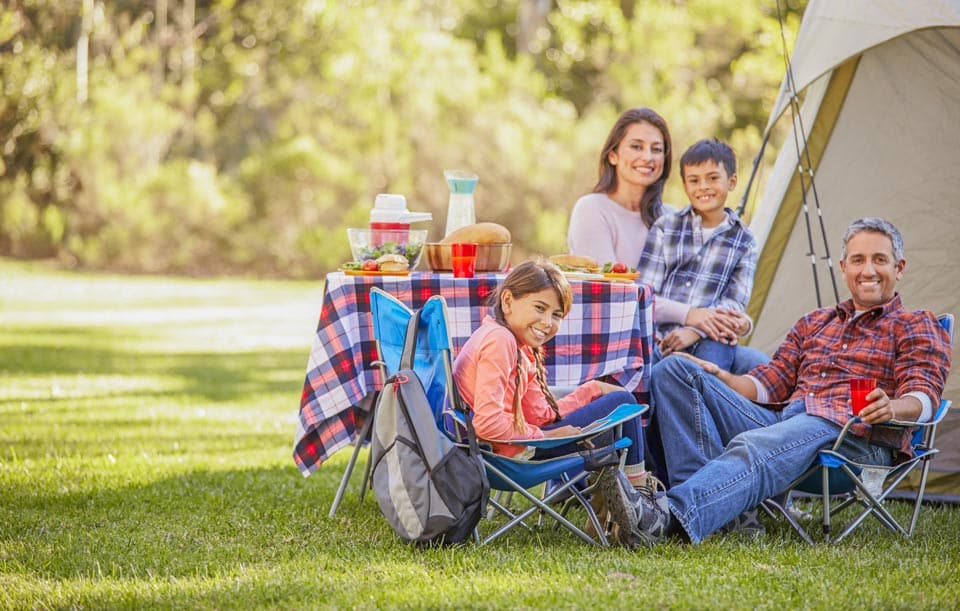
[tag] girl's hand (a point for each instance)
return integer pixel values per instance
(606, 388)
(678, 339)
(566, 430)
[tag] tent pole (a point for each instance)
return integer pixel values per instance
(798, 134)
(804, 155)
(753, 173)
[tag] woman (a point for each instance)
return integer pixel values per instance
(611, 223)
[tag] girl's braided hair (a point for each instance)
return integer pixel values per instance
(532, 276)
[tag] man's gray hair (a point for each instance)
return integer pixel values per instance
(876, 225)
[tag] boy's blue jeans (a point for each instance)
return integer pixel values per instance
(590, 413)
(735, 359)
(725, 454)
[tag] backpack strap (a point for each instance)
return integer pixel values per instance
(410, 342)
(406, 362)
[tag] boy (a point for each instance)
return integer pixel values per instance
(700, 263)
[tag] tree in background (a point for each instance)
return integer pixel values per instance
(244, 136)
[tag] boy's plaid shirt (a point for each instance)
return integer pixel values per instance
(679, 265)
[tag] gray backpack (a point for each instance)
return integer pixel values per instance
(431, 490)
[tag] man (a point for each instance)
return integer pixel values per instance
(725, 453)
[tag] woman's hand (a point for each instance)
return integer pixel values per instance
(677, 340)
(739, 321)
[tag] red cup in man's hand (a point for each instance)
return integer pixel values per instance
(859, 389)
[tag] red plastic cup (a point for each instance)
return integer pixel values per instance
(859, 389)
(463, 259)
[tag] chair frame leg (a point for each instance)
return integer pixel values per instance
(874, 506)
(540, 505)
(341, 489)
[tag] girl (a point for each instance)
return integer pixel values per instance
(611, 223)
(500, 374)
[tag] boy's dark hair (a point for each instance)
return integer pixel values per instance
(709, 149)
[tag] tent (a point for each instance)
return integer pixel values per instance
(878, 123)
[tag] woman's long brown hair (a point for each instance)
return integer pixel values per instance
(651, 204)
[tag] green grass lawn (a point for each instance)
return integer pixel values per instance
(146, 427)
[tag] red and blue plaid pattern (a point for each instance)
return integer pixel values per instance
(608, 332)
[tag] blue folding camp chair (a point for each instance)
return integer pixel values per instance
(433, 363)
(833, 474)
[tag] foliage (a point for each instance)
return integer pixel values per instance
(244, 136)
(145, 462)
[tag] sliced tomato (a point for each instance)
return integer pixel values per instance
(370, 265)
(619, 268)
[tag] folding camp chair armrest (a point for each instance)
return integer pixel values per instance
(907, 424)
(904, 424)
(843, 433)
(618, 416)
(552, 442)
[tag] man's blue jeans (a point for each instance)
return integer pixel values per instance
(725, 454)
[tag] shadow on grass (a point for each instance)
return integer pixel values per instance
(218, 376)
(199, 523)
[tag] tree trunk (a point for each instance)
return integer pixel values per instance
(531, 15)
(160, 71)
(83, 50)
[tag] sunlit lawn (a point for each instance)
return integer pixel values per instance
(146, 427)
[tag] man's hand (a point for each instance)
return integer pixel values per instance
(677, 340)
(879, 409)
(711, 368)
(882, 408)
(740, 384)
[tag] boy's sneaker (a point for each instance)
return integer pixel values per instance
(640, 518)
(647, 482)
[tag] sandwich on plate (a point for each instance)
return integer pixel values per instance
(576, 263)
(393, 263)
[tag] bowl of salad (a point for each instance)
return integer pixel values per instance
(365, 244)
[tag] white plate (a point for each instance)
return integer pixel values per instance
(585, 276)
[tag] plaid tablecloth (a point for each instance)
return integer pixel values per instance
(609, 331)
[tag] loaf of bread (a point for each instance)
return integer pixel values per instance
(479, 233)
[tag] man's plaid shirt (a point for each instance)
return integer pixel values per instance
(905, 351)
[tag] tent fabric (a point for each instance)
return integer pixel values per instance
(831, 32)
(882, 119)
